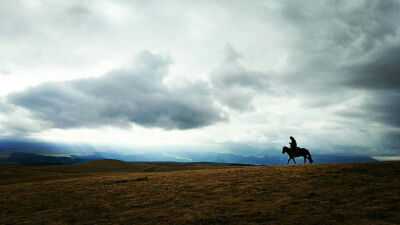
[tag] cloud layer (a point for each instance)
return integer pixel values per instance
(121, 97)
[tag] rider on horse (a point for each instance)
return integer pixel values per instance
(295, 151)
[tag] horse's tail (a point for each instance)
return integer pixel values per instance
(309, 157)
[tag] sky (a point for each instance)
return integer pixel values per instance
(203, 74)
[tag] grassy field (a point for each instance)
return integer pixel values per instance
(114, 192)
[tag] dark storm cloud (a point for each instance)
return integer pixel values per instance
(327, 35)
(234, 85)
(380, 71)
(379, 106)
(385, 108)
(358, 25)
(121, 97)
(392, 139)
(345, 49)
(379, 76)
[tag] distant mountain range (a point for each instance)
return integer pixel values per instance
(36, 159)
(39, 153)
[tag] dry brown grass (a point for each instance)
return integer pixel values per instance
(352, 193)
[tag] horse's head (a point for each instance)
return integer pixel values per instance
(284, 149)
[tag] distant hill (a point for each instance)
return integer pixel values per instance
(112, 165)
(13, 173)
(8, 146)
(340, 159)
(24, 158)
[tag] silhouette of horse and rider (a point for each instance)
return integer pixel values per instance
(295, 151)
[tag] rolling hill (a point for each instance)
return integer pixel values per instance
(115, 192)
(15, 173)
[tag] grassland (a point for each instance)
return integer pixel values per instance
(113, 192)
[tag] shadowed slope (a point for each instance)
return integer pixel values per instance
(14, 173)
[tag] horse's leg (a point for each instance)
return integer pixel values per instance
(294, 161)
(288, 161)
(304, 160)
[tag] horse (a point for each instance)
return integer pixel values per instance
(298, 153)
